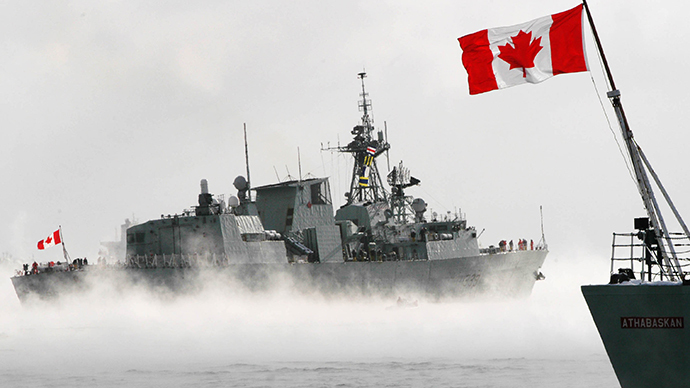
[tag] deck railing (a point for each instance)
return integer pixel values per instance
(630, 254)
(177, 261)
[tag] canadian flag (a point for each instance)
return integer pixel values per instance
(51, 240)
(532, 52)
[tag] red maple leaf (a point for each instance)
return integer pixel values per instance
(522, 54)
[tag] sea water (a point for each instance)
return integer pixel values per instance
(288, 338)
(497, 373)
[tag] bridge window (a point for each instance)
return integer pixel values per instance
(320, 193)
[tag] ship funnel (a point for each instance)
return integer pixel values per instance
(204, 186)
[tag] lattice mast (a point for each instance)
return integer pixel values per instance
(399, 179)
(366, 184)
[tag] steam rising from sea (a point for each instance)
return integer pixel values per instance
(103, 330)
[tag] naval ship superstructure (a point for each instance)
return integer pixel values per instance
(378, 243)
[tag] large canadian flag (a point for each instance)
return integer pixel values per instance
(51, 240)
(532, 52)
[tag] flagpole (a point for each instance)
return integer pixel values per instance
(599, 46)
(643, 184)
(64, 250)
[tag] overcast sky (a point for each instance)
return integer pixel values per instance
(117, 109)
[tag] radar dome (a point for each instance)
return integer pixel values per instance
(418, 205)
(233, 201)
(240, 183)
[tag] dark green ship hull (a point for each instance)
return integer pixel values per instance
(645, 331)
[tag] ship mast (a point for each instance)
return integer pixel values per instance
(671, 266)
(246, 159)
(366, 185)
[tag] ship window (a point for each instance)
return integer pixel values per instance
(320, 194)
(130, 238)
(140, 237)
(288, 218)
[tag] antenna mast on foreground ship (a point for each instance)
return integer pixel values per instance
(642, 323)
(664, 256)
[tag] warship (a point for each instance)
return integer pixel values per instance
(379, 243)
(640, 314)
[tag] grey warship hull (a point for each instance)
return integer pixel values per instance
(506, 274)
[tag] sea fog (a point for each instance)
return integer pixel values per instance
(226, 337)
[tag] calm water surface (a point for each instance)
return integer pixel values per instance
(535, 373)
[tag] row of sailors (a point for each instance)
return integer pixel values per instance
(521, 246)
(53, 266)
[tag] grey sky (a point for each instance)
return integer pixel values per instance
(113, 109)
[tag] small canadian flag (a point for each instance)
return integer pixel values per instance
(53, 239)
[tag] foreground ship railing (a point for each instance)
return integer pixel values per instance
(641, 253)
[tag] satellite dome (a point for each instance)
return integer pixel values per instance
(233, 201)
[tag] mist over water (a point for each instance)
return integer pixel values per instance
(107, 332)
